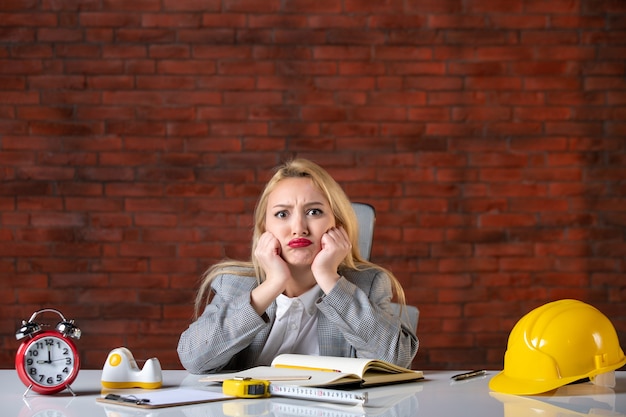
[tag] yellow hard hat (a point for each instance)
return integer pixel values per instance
(556, 344)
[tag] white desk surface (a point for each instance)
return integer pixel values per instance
(435, 396)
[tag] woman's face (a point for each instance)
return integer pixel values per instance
(298, 215)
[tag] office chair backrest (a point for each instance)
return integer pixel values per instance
(366, 217)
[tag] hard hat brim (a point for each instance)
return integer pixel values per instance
(507, 385)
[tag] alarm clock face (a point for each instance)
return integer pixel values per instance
(49, 362)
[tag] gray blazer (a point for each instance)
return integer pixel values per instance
(356, 320)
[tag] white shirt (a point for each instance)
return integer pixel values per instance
(295, 328)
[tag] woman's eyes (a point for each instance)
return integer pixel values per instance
(310, 212)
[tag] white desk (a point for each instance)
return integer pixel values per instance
(435, 396)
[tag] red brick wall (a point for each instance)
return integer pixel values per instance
(136, 135)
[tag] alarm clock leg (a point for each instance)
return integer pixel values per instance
(71, 390)
(27, 391)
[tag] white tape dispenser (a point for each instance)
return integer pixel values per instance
(121, 371)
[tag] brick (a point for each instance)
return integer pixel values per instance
(40, 297)
(429, 114)
(473, 235)
(42, 203)
(421, 36)
(522, 21)
(337, 21)
(312, 7)
(364, 6)
(552, 83)
(312, 37)
(432, 190)
(433, 6)
(281, 21)
(504, 280)
(251, 6)
(469, 265)
(521, 98)
(356, 68)
(614, 37)
(30, 280)
(439, 311)
(574, 21)
(508, 53)
(11, 83)
(451, 21)
(406, 132)
(255, 36)
(483, 6)
(390, 83)
(314, 114)
(451, 129)
(571, 53)
(385, 21)
(574, 128)
(439, 98)
(480, 37)
(192, 5)
(379, 113)
(179, 20)
(478, 68)
(187, 67)
(16, 159)
(493, 83)
(277, 52)
(457, 175)
(544, 113)
(542, 37)
(434, 83)
(462, 325)
(45, 113)
(481, 114)
(162, 297)
(516, 129)
(545, 68)
(402, 53)
(19, 98)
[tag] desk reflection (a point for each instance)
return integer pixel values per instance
(435, 396)
(569, 401)
(277, 407)
(393, 401)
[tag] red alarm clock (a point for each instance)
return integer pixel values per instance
(47, 361)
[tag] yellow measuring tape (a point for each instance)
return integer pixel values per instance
(246, 388)
(242, 387)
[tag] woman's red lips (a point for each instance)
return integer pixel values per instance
(299, 243)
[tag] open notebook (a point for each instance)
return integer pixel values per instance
(324, 371)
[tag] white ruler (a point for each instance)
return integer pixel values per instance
(318, 394)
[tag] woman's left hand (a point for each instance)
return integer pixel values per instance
(335, 247)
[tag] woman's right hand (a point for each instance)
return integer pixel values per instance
(276, 270)
(267, 253)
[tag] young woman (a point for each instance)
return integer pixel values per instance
(305, 290)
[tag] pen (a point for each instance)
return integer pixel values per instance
(468, 375)
(306, 368)
(129, 399)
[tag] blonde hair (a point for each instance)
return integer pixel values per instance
(344, 216)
